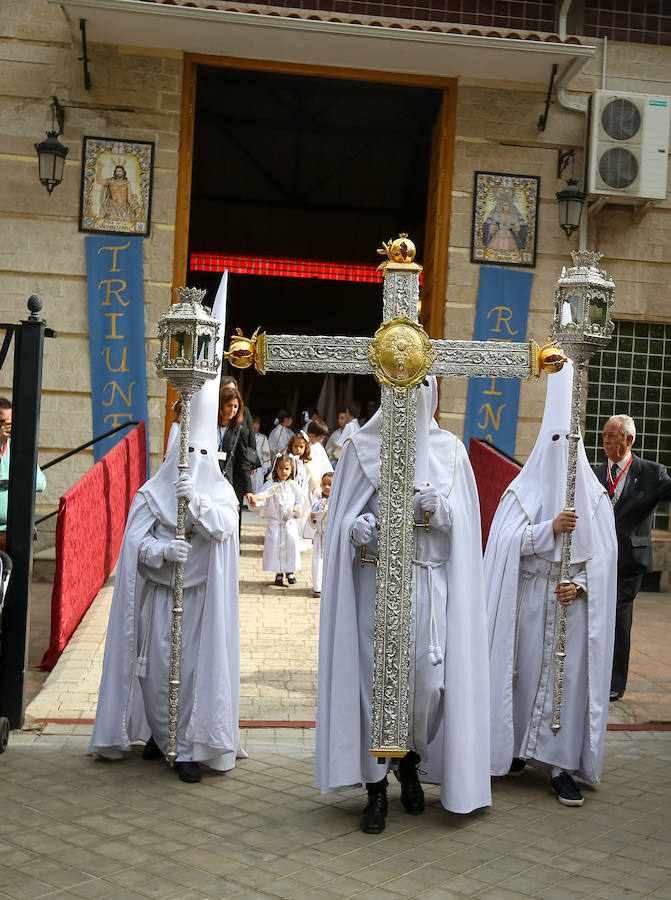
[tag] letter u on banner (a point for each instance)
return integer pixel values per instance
(116, 335)
(501, 315)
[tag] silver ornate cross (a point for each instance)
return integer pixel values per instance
(399, 356)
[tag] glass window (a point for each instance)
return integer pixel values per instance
(633, 375)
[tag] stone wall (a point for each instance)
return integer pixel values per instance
(496, 131)
(42, 250)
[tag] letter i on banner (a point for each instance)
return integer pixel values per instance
(501, 315)
(116, 335)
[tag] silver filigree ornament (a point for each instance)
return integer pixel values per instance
(585, 293)
(187, 358)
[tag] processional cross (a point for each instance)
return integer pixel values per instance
(399, 356)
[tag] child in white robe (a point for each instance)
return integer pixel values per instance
(299, 448)
(315, 528)
(263, 452)
(283, 503)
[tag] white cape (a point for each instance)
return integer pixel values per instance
(213, 670)
(458, 754)
(518, 667)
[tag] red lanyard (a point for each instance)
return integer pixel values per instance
(613, 484)
(4, 448)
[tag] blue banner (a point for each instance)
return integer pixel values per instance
(501, 315)
(116, 335)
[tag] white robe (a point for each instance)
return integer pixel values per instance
(521, 572)
(131, 707)
(278, 439)
(319, 463)
(348, 431)
(315, 530)
(263, 452)
(281, 503)
(449, 703)
(522, 569)
(332, 443)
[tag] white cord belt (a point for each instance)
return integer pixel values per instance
(435, 650)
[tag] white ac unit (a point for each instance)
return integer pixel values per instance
(629, 145)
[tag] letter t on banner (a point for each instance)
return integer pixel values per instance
(116, 335)
(501, 315)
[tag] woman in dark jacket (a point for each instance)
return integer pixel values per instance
(234, 459)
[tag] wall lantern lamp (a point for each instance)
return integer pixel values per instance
(570, 201)
(50, 152)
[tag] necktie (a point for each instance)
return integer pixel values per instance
(613, 472)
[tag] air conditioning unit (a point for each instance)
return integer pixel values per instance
(629, 145)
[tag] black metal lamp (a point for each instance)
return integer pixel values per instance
(50, 152)
(570, 201)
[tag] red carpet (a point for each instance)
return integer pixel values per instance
(91, 519)
(493, 474)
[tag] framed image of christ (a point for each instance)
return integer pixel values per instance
(116, 186)
(505, 219)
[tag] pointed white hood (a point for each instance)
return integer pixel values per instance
(159, 491)
(541, 485)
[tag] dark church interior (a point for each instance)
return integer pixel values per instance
(305, 168)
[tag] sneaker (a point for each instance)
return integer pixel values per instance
(279, 580)
(517, 766)
(291, 578)
(189, 772)
(567, 790)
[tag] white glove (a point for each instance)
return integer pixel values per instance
(176, 551)
(362, 529)
(428, 498)
(184, 487)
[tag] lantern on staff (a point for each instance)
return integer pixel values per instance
(187, 358)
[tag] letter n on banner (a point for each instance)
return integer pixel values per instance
(116, 335)
(501, 315)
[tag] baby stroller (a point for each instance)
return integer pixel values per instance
(5, 572)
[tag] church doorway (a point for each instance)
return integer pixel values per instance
(295, 180)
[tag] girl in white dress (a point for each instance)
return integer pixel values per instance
(283, 503)
(299, 449)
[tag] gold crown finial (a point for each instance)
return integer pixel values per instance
(399, 252)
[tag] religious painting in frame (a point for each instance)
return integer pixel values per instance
(116, 186)
(505, 219)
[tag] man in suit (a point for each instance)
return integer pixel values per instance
(635, 486)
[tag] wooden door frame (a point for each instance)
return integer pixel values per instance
(436, 318)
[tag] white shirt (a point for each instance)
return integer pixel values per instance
(622, 466)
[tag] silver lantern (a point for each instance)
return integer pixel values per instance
(187, 358)
(587, 293)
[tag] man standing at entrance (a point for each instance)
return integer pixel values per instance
(449, 688)
(635, 487)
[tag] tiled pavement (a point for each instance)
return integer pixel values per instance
(74, 827)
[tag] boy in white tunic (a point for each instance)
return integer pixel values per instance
(522, 570)
(263, 452)
(315, 528)
(280, 436)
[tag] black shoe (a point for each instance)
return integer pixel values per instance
(375, 811)
(151, 750)
(412, 795)
(567, 790)
(291, 578)
(188, 771)
(279, 580)
(615, 695)
(517, 766)
(316, 593)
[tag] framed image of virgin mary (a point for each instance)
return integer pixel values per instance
(505, 219)
(116, 186)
